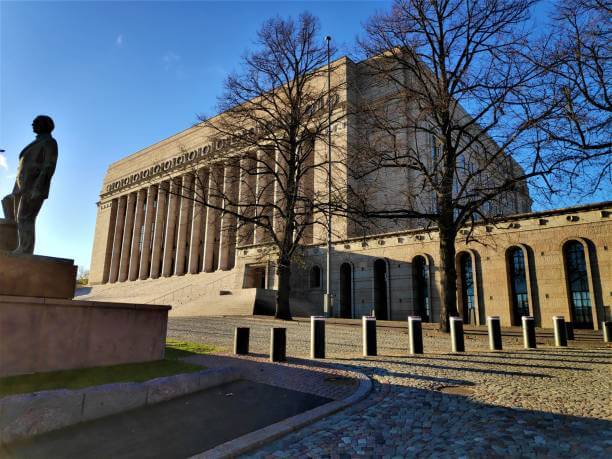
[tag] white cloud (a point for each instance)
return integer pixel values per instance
(3, 162)
(119, 40)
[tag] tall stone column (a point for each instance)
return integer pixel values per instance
(117, 238)
(280, 187)
(227, 250)
(138, 222)
(161, 213)
(127, 237)
(173, 211)
(213, 220)
(183, 233)
(145, 256)
(110, 237)
(247, 200)
(199, 220)
(265, 191)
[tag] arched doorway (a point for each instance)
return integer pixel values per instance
(467, 289)
(578, 285)
(380, 290)
(518, 284)
(346, 290)
(420, 282)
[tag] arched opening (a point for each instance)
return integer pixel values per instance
(578, 285)
(315, 277)
(380, 289)
(346, 290)
(518, 284)
(420, 282)
(467, 289)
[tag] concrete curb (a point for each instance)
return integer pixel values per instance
(274, 431)
(25, 415)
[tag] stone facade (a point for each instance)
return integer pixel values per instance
(146, 230)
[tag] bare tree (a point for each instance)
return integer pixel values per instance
(579, 127)
(272, 114)
(456, 114)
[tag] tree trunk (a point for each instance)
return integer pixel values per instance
(448, 273)
(283, 311)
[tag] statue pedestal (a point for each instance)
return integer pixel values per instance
(8, 235)
(33, 275)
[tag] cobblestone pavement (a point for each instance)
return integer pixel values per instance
(546, 402)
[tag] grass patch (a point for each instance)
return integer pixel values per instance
(129, 372)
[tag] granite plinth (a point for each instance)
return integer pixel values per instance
(50, 334)
(36, 276)
(8, 235)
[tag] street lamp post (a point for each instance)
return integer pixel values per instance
(327, 299)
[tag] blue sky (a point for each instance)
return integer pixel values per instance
(119, 76)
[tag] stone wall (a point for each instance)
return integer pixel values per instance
(43, 334)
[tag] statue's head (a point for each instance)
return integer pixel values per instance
(43, 124)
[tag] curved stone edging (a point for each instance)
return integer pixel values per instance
(274, 431)
(25, 415)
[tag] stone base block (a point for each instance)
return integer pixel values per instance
(33, 275)
(8, 235)
(49, 334)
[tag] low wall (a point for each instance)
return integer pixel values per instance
(25, 415)
(46, 334)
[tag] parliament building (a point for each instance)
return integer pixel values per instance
(153, 244)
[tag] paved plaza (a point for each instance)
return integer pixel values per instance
(547, 402)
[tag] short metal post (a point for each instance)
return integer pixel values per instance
(415, 333)
(317, 337)
(529, 336)
(241, 340)
(456, 327)
(560, 331)
(278, 344)
(369, 335)
(606, 327)
(495, 336)
(569, 330)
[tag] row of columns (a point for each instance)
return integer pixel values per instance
(163, 230)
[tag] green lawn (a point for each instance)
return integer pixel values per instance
(130, 372)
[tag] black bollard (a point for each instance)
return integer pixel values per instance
(456, 328)
(606, 327)
(369, 335)
(241, 340)
(495, 336)
(415, 333)
(317, 337)
(560, 331)
(529, 336)
(278, 344)
(569, 331)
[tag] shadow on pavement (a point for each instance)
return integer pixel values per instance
(176, 428)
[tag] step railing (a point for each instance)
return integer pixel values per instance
(187, 291)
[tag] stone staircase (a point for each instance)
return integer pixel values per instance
(204, 294)
(192, 294)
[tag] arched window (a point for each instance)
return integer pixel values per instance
(346, 290)
(467, 289)
(380, 289)
(420, 278)
(518, 285)
(578, 285)
(315, 277)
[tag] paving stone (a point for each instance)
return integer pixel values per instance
(546, 402)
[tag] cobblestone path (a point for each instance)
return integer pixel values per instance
(546, 402)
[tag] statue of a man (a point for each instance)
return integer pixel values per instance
(36, 167)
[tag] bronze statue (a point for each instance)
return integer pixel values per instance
(36, 167)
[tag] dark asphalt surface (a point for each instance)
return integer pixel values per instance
(177, 428)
